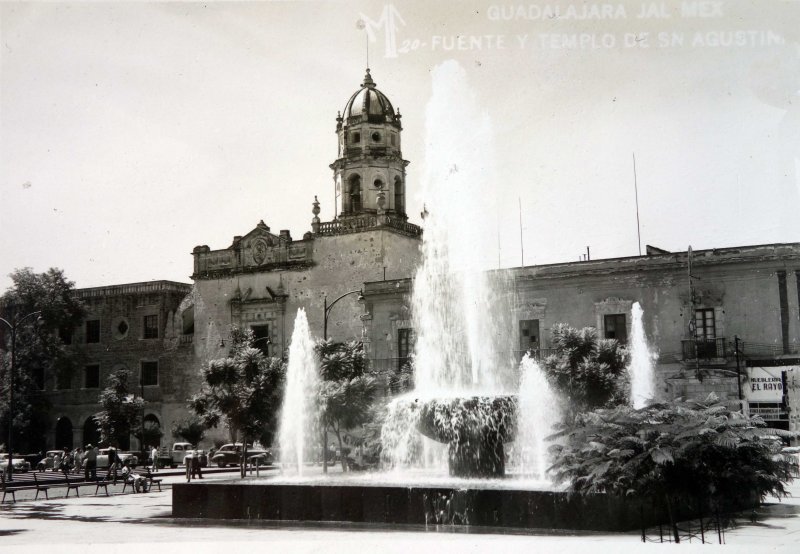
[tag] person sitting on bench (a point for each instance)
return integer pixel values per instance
(139, 482)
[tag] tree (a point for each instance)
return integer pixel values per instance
(42, 351)
(191, 429)
(589, 372)
(242, 391)
(122, 410)
(697, 454)
(346, 390)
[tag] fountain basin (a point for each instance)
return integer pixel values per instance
(412, 504)
(474, 430)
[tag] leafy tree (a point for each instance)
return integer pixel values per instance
(346, 391)
(122, 410)
(41, 351)
(589, 372)
(697, 454)
(242, 391)
(190, 429)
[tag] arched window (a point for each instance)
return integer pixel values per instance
(64, 433)
(399, 196)
(152, 431)
(355, 194)
(91, 434)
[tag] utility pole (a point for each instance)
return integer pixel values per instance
(738, 370)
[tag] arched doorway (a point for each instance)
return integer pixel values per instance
(64, 433)
(152, 431)
(91, 434)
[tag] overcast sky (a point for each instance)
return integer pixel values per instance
(131, 133)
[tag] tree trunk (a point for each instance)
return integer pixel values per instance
(325, 450)
(672, 523)
(243, 464)
(341, 450)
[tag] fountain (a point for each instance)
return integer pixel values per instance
(297, 423)
(641, 366)
(469, 402)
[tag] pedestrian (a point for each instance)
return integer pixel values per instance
(113, 465)
(77, 460)
(154, 456)
(90, 466)
(196, 466)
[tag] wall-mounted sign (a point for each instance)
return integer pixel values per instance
(765, 384)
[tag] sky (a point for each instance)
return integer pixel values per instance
(132, 132)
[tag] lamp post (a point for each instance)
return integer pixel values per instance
(326, 311)
(13, 327)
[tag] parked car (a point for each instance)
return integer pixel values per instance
(20, 464)
(191, 453)
(231, 454)
(126, 457)
(176, 455)
(48, 460)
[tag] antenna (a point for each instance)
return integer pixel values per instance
(636, 190)
(521, 245)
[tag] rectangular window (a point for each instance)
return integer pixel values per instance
(529, 334)
(63, 380)
(405, 341)
(149, 374)
(356, 138)
(93, 331)
(261, 338)
(91, 376)
(704, 320)
(150, 327)
(616, 327)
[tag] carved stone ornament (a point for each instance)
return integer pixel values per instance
(259, 251)
(535, 308)
(613, 305)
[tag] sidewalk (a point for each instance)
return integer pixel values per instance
(130, 522)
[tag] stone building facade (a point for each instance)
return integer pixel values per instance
(739, 314)
(146, 328)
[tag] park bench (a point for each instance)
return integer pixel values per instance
(20, 482)
(54, 480)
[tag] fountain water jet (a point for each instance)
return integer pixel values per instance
(298, 421)
(641, 370)
(537, 414)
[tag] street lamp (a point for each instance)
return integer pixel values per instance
(13, 327)
(327, 309)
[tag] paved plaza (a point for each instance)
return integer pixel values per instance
(142, 522)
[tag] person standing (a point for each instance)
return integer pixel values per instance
(154, 456)
(90, 468)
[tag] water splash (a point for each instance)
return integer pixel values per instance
(537, 413)
(298, 415)
(641, 368)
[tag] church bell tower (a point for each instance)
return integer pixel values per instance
(370, 169)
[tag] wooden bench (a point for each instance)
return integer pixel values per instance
(44, 483)
(20, 482)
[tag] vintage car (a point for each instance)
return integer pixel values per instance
(20, 464)
(48, 460)
(127, 458)
(231, 455)
(191, 453)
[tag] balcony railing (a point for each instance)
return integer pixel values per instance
(704, 349)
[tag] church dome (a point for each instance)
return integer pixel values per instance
(369, 104)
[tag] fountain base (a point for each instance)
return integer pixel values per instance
(413, 505)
